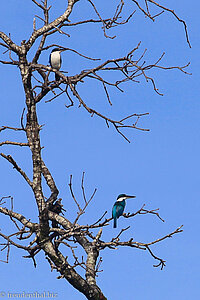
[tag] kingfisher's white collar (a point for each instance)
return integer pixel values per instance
(121, 199)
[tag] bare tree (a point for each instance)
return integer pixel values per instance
(53, 229)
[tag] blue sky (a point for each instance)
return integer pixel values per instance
(160, 167)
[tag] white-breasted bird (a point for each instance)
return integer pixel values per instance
(118, 207)
(55, 60)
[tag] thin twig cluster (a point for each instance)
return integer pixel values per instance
(66, 230)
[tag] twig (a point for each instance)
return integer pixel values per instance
(13, 143)
(15, 166)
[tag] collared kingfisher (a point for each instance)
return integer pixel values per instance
(55, 60)
(118, 207)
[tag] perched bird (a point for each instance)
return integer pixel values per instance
(118, 207)
(57, 208)
(55, 60)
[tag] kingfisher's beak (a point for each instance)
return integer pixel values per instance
(130, 196)
(61, 50)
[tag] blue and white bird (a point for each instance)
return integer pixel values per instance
(118, 207)
(55, 60)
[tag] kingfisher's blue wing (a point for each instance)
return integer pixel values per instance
(114, 215)
(50, 59)
(119, 210)
(114, 211)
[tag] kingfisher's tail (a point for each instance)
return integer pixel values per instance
(57, 77)
(115, 223)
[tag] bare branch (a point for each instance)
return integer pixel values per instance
(175, 15)
(47, 28)
(7, 40)
(15, 166)
(72, 50)
(72, 194)
(143, 211)
(164, 8)
(12, 128)
(19, 217)
(13, 143)
(50, 182)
